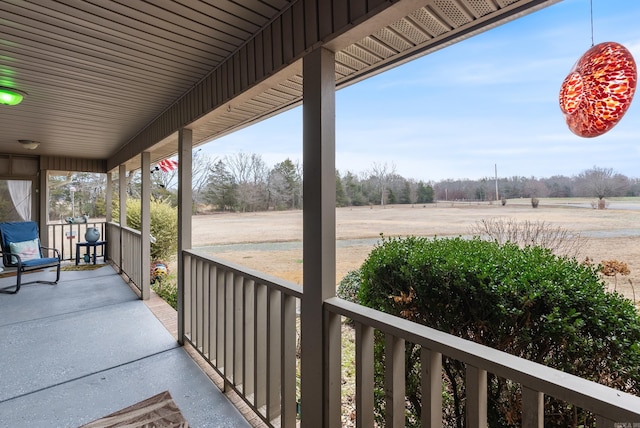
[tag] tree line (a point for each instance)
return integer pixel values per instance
(596, 182)
(243, 182)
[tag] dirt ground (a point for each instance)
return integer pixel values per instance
(276, 248)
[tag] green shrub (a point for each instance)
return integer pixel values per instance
(167, 289)
(164, 226)
(525, 301)
(350, 286)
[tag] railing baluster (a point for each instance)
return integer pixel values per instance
(261, 346)
(288, 369)
(197, 304)
(274, 347)
(206, 309)
(228, 327)
(191, 303)
(394, 381)
(213, 314)
(220, 285)
(476, 389)
(431, 388)
(238, 330)
(249, 357)
(364, 376)
(532, 408)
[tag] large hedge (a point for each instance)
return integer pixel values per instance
(164, 225)
(525, 301)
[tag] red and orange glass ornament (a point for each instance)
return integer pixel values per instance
(599, 89)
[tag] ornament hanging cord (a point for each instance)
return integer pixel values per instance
(591, 6)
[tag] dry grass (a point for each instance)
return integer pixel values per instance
(612, 234)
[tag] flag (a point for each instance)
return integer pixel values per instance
(167, 165)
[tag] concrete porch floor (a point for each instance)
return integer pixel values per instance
(76, 351)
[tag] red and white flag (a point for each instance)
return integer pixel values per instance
(167, 165)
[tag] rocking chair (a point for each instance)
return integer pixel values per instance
(20, 249)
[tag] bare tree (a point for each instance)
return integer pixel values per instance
(382, 173)
(530, 233)
(535, 188)
(239, 166)
(201, 164)
(250, 173)
(602, 182)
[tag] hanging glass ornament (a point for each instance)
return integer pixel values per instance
(599, 89)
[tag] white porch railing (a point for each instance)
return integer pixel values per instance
(131, 249)
(125, 246)
(244, 324)
(610, 406)
(64, 237)
(113, 240)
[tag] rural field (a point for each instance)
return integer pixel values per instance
(271, 242)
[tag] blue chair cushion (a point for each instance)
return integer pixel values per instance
(41, 262)
(18, 231)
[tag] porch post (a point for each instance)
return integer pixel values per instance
(145, 226)
(43, 203)
(108, 200)
(185, 198)
(122, 197)
(108, 206)
(320, 361)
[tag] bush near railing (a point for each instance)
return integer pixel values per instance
(527, 302)
(164, 226)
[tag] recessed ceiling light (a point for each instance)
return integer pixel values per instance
(29, 144)
(10, 97)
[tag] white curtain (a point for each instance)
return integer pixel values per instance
(20, 191)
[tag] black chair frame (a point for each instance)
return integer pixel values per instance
(11, 261)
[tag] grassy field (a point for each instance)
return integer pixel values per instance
(270, 242)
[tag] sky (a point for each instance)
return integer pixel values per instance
(486, 103)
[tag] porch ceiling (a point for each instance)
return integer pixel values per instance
(99, 74)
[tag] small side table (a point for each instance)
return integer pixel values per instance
(90, 245)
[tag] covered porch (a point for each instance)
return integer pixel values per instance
(87, 347)
(142, 83)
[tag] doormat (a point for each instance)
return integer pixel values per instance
(159, 411)
(81, 267)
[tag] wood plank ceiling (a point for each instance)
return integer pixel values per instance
(99, 73)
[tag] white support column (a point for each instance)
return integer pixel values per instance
(320, 371)
(145, 226)
(108, 204)
(42, 192)
(108, 199)
(122, 197)
(185, 200)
